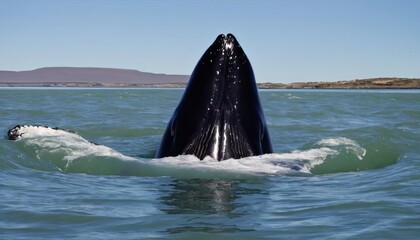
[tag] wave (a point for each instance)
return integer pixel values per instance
(55, 149)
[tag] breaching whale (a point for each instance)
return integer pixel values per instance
(220, 114)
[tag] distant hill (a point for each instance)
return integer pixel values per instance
(112, 77)
(59, 75)
(371, 83)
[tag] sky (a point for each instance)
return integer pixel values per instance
(285, 40)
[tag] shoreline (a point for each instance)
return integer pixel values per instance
(128, 78)
(373, 83)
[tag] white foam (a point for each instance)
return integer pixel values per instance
(290, 96)
(336, 142)
(57, 140)
(276, 163)
(347, 144)
(30, 131)
(72, 146)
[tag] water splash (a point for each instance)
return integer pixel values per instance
(69, 152)
(346, 144)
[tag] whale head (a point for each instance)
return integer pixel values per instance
(220, 114)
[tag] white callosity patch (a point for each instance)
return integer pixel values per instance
(229, 45)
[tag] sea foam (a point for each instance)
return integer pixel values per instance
(69, 146)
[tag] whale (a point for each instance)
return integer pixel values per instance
(220, 113)
(18, 131)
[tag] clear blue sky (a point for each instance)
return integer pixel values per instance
(286, 40)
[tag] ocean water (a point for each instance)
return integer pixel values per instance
(346, 166)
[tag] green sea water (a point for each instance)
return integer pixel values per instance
(346, 166)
